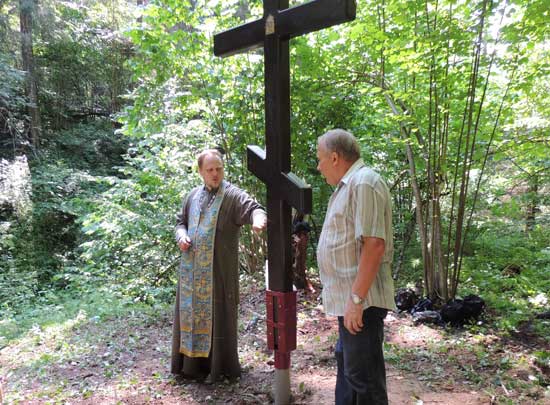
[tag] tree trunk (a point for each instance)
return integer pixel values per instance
(26, 8)
(423, 233)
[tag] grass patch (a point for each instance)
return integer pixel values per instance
(71, 348)
(62, 311)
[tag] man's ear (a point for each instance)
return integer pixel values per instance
(334, 158)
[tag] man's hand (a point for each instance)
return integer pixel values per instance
(259, 222)
(184, 243)
(372, 252)
(353, 317)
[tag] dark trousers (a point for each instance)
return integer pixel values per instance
(361, 377)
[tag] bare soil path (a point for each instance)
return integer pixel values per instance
(125, 360)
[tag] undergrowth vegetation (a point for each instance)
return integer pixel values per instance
(128, 100)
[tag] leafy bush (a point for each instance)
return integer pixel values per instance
(516, 295)
(17, 283)
(92, 147)
(129, 232)
(39, 245)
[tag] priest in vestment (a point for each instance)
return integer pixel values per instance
(205, 328)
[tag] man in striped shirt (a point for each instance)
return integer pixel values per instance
(354, 255)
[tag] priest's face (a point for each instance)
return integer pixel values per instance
(211, 171)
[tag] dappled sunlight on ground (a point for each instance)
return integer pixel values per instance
(41, 344)
(406, 334)
(124, 358)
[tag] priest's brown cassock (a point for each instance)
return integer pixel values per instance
(236, 210)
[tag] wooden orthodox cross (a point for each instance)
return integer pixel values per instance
(284, 190)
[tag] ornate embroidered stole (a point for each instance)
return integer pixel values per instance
(196, 279)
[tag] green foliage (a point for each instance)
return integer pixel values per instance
(129, 231)
(80, 53)
(16, 287)
(39, 248)
(91, 147)
(511, 270)
(12, 117)
(58, 310)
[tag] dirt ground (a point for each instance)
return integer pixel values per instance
(125, 360)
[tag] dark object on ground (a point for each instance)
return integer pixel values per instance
(453, 312)
(512, 269)
(424, 304)
(405, 299)
(457, 312)
(426, 317)
(544, 315)
(474, 305)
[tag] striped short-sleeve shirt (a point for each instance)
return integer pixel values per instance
(359, 207)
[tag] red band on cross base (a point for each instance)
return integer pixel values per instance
(282, 360)
(281, 325)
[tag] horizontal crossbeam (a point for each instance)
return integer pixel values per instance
(239, 39)
(287, 186)
(289, 23)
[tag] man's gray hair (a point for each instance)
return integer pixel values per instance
(342, 142)
(208, 152)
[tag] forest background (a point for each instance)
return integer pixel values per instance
(105, 104)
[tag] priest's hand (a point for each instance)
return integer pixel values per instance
(259, 221)
(353, 317)
(184, 243)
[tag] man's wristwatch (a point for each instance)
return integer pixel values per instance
(357, 300)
